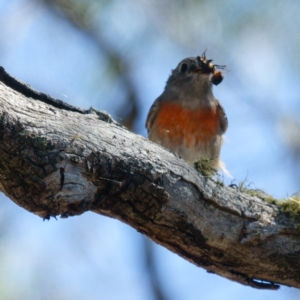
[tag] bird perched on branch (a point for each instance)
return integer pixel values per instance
(186, 118)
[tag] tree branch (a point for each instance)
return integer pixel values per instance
(57, 159)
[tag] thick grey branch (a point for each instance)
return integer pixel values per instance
(61, 160)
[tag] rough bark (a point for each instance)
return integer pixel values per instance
(59, 160)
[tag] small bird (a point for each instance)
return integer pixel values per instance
(186, 118)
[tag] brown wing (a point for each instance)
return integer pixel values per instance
(222, 117)
(153, 113)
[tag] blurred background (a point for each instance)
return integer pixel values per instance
(116, 56)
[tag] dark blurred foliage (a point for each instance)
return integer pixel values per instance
(82, 15)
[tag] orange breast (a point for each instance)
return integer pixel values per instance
(181, 125)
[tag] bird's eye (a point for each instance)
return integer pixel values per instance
(183, 68)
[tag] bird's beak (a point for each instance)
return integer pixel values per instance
(197, 70)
